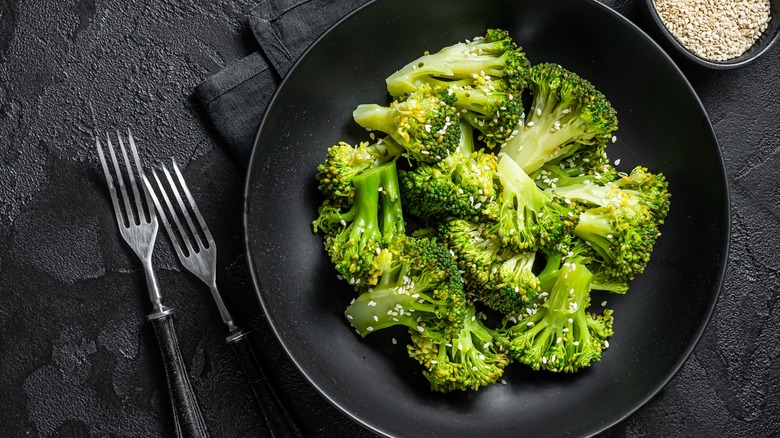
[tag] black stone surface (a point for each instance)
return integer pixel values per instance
(76, 356)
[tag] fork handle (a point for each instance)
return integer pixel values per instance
(185, 405)
(279, 423)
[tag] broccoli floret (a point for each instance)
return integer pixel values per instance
(419, 283)
(581, 252)
(355, 237)
(495, 55)
(470, 359)
(584, 164)
(344, 162)
(461, 185)
(529, 218)
(561, 335)
(490, 105)
(500, 278)
(567, 113)
(424, 123)
(623, 224)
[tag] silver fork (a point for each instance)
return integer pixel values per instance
(197, 252)
(138, 227)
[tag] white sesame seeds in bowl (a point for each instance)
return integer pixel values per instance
(718, 34)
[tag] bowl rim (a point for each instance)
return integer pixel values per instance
(661, 384)
(716, 65)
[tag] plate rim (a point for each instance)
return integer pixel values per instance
(726, 223)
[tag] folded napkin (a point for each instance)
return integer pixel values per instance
(236, 97)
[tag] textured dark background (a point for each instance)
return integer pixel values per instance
(77, 358)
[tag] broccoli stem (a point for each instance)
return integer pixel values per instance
(390, 202)
(384, 306)
(596, 229)
(552, 268)
(375, 117)
(520, 188)
(365, 224)
(466, 146)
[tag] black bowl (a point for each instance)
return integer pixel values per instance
(762, 44)
(662, 126)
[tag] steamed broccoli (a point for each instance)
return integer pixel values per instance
(529, 218)
(424, 123)
(525, 231)
(585, 255)
(623, 224)
(495, 275)
(470, 359)
(461, 185)
(561, 335)
(490, 105)
(567, 113)
(355, 237)
(344, 162)
(576, 167)
(419, 283)
(495, 55)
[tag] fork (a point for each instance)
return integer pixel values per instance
(138, 227)
(197, 252)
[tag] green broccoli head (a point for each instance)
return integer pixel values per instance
(343, 162)
(567, 112)
(500, 278)
(581, 252)
(471, 358)
(622, 223)
(419, 283)
(561, 336)
(460, 185)
(424, 123)
(529, 218)
(353, 238)
(495, 55)
(580, 164)
(490, 105)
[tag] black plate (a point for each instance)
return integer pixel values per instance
(662, 126)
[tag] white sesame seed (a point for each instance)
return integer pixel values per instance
(715, 30)
(370, 329)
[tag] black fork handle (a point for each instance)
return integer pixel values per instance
(185, 405)
(279, 422)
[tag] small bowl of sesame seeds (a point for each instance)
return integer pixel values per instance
(719, 34)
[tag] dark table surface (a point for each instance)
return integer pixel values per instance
(77, 358)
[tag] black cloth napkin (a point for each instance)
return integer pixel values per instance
(236, 97)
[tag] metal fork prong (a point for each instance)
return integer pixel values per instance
(183, 208)
(109, 181)
(182, 235)
(149, 206)
(163, 216)
(120, 181)
(193, 205)
(131, 176)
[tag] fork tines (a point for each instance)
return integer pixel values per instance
(195, 238)
(132, 213)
